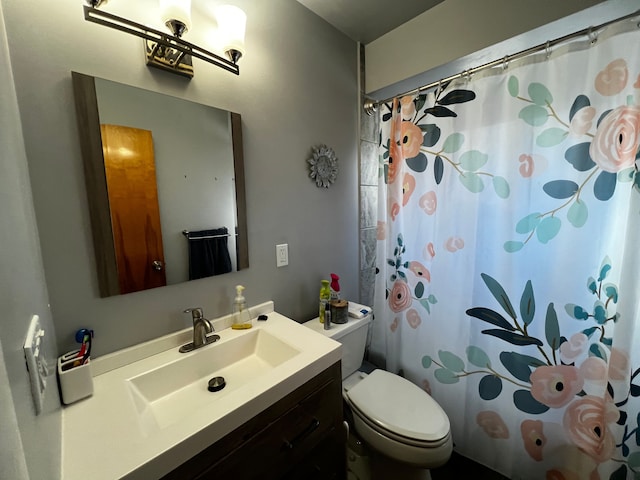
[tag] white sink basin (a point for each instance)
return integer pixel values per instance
(168, 393)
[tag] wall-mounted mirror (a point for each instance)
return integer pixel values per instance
(165, 186)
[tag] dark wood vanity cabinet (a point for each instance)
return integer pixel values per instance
(299, 437)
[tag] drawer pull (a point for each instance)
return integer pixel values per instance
(290, 445)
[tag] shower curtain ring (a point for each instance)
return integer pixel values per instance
(505, 62)
(439, 90)
(593, 36)
(547, 50)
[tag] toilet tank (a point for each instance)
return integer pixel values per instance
(353, 337)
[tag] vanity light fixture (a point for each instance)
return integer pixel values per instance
(169, 51)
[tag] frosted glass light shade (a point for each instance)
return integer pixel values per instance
(172, 11)
(232, 23)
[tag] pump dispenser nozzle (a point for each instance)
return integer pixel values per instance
(241, 314)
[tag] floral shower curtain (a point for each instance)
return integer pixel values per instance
(508, 281)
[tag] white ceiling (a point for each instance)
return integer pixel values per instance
(366, 20)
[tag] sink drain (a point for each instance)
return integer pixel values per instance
(216, 384)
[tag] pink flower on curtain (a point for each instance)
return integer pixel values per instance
(394, 208)
(616, 140)
(420, 270)
(394, 324)
(619, 365)
(531, 165)
(381, 230)
(408, 186)
(533, 437)
(430, 250)
(594, 373)
(413, 318)
(454, 244)
(411, 139)
(429, 202)
(555, 385)
(400, 296)
(492, 424)
(408, 108)
(395, 159)
(574, 347)
(586, 421)
(613, 78)
(582, 121)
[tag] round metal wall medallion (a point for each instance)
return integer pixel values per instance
(323, 166)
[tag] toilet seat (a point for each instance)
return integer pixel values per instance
(399, 409)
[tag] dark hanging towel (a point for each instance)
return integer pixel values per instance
(208, 253)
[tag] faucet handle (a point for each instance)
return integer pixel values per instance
(196, 313)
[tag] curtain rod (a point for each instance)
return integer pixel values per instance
(370, 106)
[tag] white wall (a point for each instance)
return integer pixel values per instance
(297, 88)
(23, 293)
(454, 29)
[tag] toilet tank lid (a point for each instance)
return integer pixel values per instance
(400, 406)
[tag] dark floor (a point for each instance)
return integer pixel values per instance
(461, 467)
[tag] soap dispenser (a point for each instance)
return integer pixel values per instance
(241, 315)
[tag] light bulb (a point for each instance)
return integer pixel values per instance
(176, 15)
(232, 23)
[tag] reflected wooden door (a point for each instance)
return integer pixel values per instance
(133, 200)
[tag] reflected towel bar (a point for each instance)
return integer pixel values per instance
(186, 233)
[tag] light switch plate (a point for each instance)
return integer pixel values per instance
(36, 361)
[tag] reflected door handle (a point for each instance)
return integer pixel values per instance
(157, 265)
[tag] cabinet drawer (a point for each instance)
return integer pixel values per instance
(285, 442)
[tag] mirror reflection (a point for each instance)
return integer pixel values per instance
(165, 185)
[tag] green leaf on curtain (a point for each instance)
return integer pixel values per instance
(627, 174)
(400, 240)
(453, 143)
(611, 291)
(576, 311)
(432, 299)
(635, 392)
(446, 376)
(457, 96)
(477, 357)
(551, 137)
(439, 111)
(578, 156)
(605, 268)
(607, 341)
(528, 223)
(432, 134)
(605, 186)
(579, 103)
(451, 361)
(491, 317)
(590, 331)
(513, 86)
(513, 246)
(560, 189)
(472, 182)
(636, 182)
(578, 213)
(519, 365)
(489, 387)
(527, 304)
(552, 328)
(621, 473)
(534, 115)
(499, 294)
(425, 303)
(592, 285)
(386, 117)
(426, 361)
(599, 312)
(419, 290)
(595, 350)
(473, 160)
(419, 101)
(513, 338)
(604, 114)
(524, 401)
(540, 95)
(438, 169)
(548, 229)
(418, 163)
(501, 186)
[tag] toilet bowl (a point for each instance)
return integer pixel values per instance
(402, 426)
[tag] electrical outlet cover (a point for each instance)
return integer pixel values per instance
(36, 361)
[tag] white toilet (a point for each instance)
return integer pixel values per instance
(406, 431)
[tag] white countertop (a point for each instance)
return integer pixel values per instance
(103, 436)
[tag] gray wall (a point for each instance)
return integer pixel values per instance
(297, 88)
(23, 293)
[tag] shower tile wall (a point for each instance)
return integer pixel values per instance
(368, 195)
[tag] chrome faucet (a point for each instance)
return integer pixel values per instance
(201, 330)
